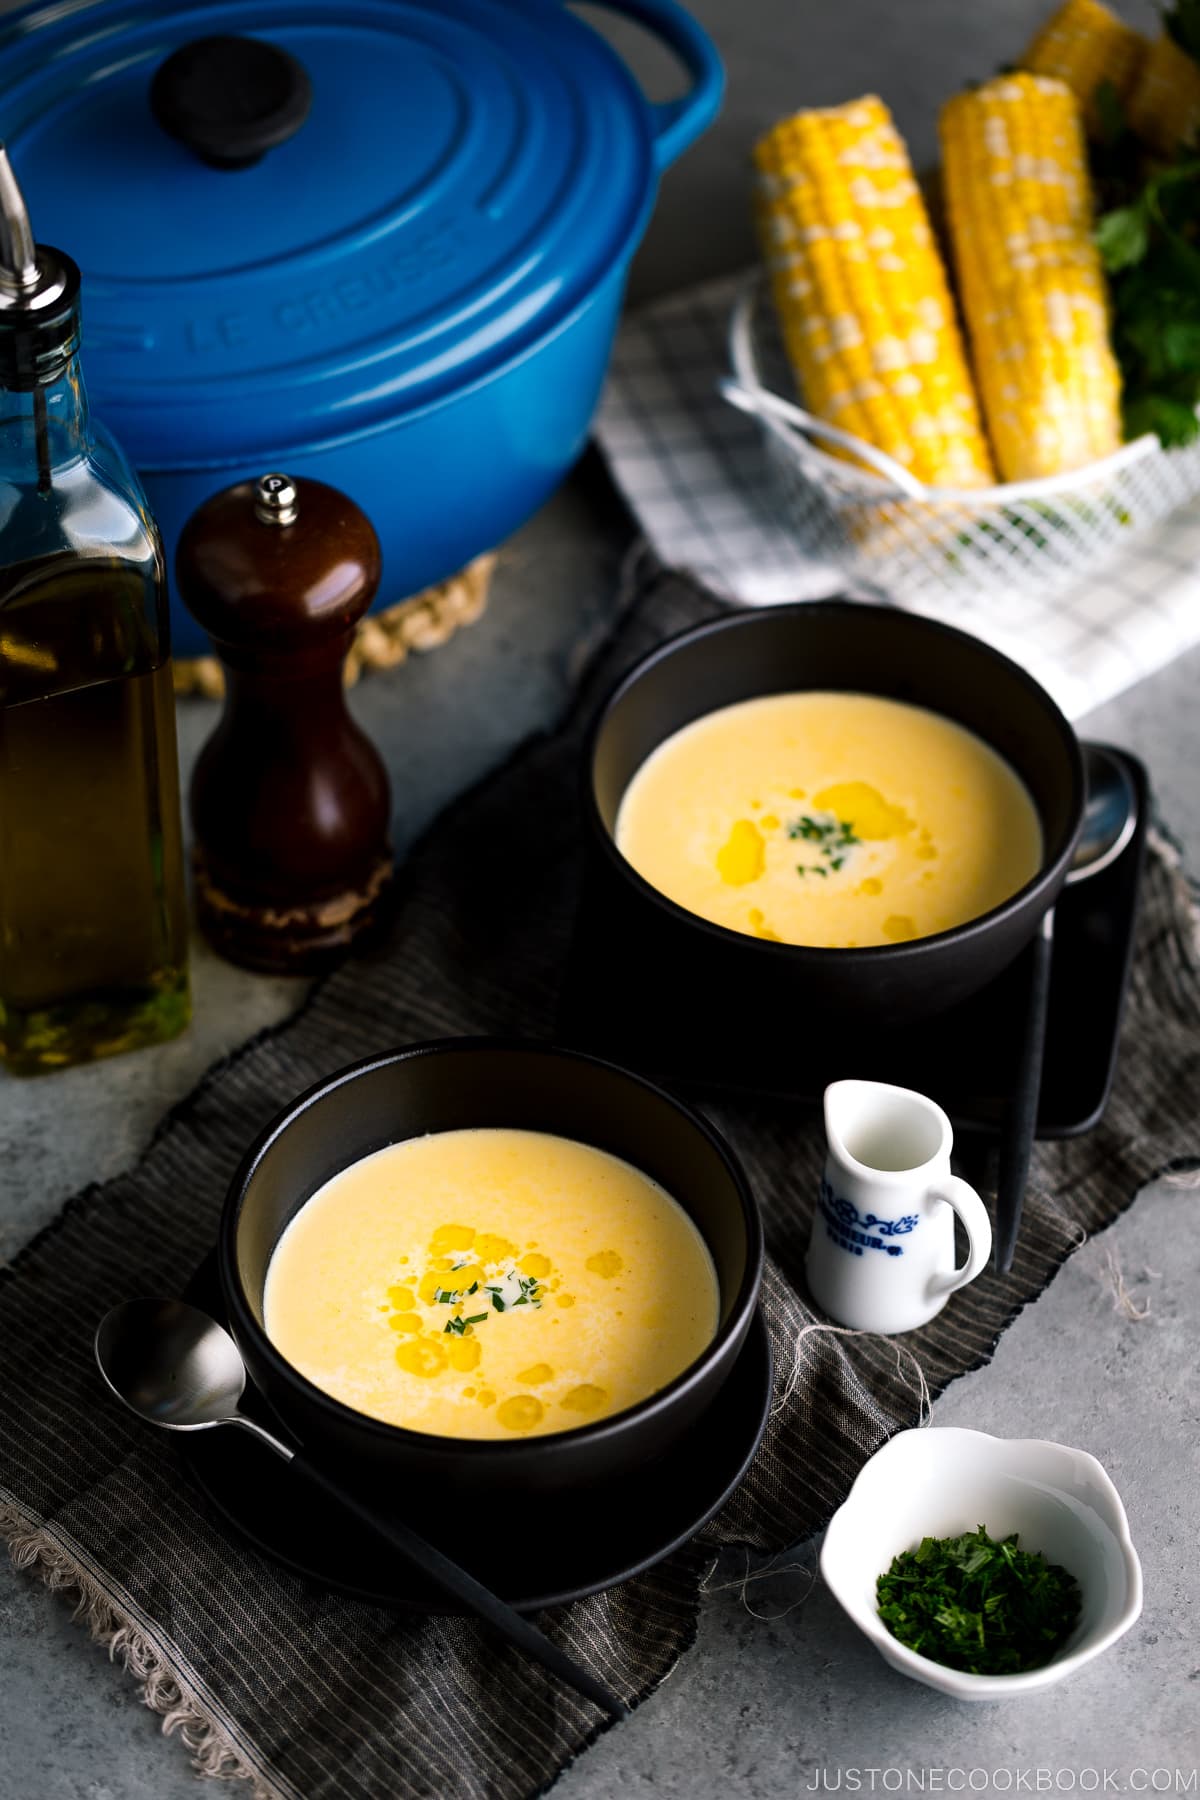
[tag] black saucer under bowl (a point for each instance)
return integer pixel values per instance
(535, 1552)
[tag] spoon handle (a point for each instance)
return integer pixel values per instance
(472, 1594)
(1020, 1120)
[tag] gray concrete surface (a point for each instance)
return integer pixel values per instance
(794, 1701)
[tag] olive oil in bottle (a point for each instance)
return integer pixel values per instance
(93, 927)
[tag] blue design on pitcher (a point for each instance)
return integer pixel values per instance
(851, 1229)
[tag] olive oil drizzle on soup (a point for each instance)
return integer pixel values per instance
(830, 819)
(491, 1283)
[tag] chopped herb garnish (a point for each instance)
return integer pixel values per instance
(831, 837)
(447, 1296)
(979, 1604)
(458, 1326)
(500, 1294)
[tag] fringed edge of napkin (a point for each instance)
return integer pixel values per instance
(35, 1551)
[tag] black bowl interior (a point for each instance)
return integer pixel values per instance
(842, 645)
(445, 1088)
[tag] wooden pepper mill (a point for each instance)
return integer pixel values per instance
(290, 800)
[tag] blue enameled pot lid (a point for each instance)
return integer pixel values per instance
(467, 172)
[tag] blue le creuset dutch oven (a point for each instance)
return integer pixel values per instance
(382, 243)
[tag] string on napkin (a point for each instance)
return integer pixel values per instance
(902, 1353)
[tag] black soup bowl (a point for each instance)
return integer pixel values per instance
(446, 1086)
(724, 984)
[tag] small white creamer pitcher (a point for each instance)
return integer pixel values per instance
(881, 1255)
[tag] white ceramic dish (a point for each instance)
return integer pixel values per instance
(940, 1482)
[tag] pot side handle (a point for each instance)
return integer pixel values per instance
(676, 124)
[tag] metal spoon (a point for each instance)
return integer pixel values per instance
(174, 1366)
(1110, 814)
(1110, 819)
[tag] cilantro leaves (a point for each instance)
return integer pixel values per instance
(1150, 247)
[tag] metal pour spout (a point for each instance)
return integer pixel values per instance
(19, 271)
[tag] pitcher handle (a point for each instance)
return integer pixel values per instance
(678, 123)
(960, 1195)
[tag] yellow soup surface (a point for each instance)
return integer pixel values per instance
(490, 1284)
(830, 819)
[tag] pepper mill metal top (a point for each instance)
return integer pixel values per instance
(275, 500)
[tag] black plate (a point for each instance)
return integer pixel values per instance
(963, 1057)
(534, 1554)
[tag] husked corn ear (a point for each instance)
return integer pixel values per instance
(1164, 107)
(861, 292)
(1029, 274)
(1085, 45)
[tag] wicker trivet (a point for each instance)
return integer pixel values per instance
(384, 639)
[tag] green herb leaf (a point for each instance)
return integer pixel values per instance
(979, 1604)
(831, 836)
(1174, 422)
(1122, 237)
(1179, 345)
(475, 1319)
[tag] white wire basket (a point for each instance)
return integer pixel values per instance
(912, 542)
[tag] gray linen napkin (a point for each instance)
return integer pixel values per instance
(311, 1695)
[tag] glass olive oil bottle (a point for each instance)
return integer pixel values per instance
(93, 926)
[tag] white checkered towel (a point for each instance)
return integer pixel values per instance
(695, 473)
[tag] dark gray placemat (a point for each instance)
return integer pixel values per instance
(313, 1695)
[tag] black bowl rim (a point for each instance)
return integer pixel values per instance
(1042, 886)
(487, 1449)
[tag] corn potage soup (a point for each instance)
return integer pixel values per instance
(829, 819)
(486, 1283)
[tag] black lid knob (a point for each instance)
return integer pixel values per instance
(230, 99)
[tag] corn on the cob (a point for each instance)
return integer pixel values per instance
(861, 292)
(1164, 107)
(1086, 45)
(1032, 288)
